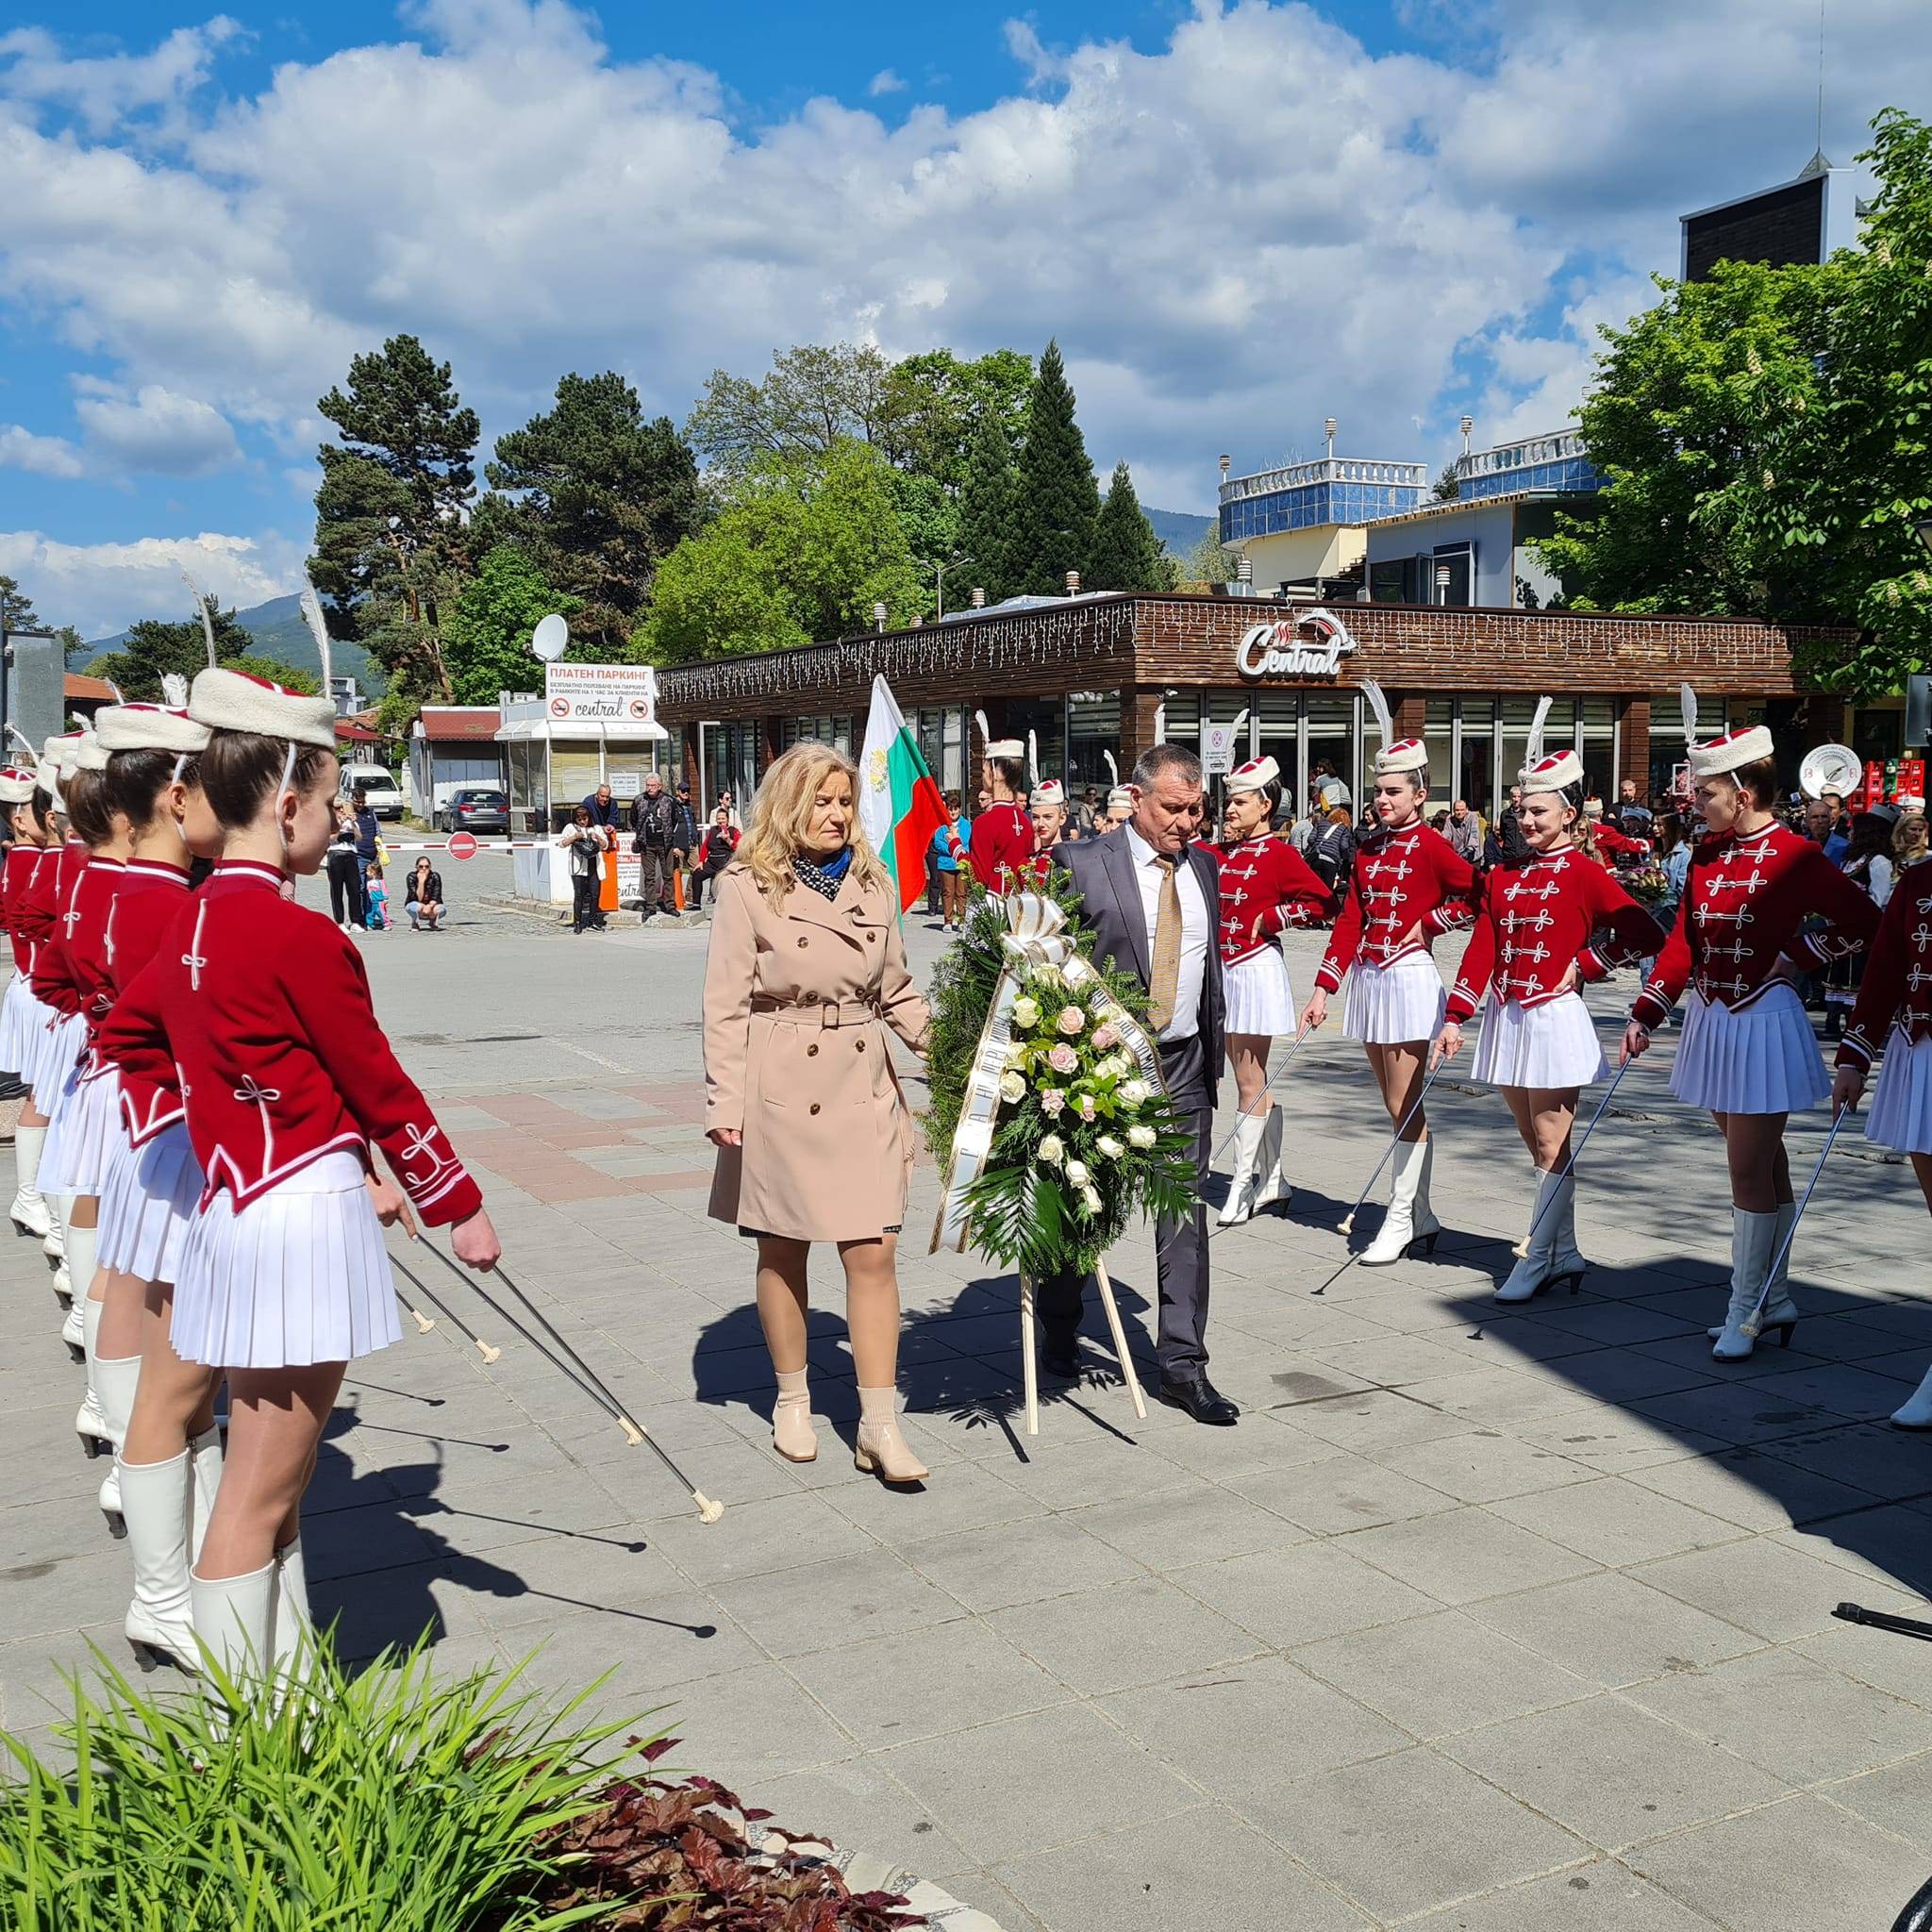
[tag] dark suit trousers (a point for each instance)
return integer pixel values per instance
(1180, 1246)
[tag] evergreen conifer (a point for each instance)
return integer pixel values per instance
(1127, 553)
(1058, 500)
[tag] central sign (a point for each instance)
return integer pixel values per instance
(1311, 643)
(623, 696)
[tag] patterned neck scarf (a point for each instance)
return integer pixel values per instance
(824, 880)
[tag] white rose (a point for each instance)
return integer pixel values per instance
(1142, 1137)
(1090, 1199)
(1110, 1147)
(1052, 1150)
(1012, 1088)
(1135, 1092)
(1025, 1011)
(1076, 1173)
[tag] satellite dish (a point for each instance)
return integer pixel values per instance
(1830, 767)
(551, 638)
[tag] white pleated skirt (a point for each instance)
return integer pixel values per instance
(300, 1275)
(85, 1137)
(18, 1011)
(1551, 1044)
(1763, 1059)
(152, 1196)
(55, 1047)
(1259, 995)
(1900, 1115)
(1391, 1004)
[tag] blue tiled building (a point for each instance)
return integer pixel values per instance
(1346, 491)
(1553, 462)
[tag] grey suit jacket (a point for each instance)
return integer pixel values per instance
(1103, 871)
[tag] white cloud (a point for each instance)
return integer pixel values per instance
(158, 431)
(101, 588)
(885, 82)
(40, 455)
(1226, 257)
(102, 90)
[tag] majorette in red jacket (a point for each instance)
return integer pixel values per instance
(14, 884)
(50, 900)
(1745, 903)
(78, 973)
(1002, 842)
(1264, 877)
(1615, 844)
(1538, 920)
(1897, 986)
(1402, 879)
(260, 1009)
(147, 900)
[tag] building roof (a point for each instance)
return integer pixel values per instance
(352, 731)
(1451, 504)
(88, 690)
(460, 723)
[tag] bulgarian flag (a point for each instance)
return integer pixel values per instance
(899, 805)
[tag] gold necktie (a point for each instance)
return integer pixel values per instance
(1167, 949)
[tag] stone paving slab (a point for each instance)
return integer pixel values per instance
(1480, 1620)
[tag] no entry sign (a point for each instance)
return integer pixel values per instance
(462, 844)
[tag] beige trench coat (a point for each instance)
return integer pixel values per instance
(796, 1058)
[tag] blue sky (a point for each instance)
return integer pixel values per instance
(1235, 219)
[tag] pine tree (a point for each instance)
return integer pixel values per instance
(986, 509)
(1057, 500)
(1127, 555)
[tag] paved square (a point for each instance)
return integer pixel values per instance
(1482, 1621)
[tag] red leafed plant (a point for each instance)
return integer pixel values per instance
(680, 1856)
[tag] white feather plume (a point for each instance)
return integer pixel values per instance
(1113, 771)
(115, 688)
(318, 629)
(1688, 699)
(1534, 751)
(985, 729)
(208, 623)
(1385, 722)
(26, 744)
(173, 689)
(1032, 755)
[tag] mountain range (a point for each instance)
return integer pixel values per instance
(1179, 530)
(280, 632)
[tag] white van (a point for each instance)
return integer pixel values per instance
(385, 799)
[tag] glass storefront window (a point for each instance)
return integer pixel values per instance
(1667, 740)
(1277, 736)
(1332, 741)
(1596, 742)
(1094, 727)
(1439, 733)
(1181, 717)
(1476, 757)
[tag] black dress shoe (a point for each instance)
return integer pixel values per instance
(1061, 1359)
(1200, 1398)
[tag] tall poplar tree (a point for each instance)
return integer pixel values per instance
(986, 509)
(1127, 555)
(1057, 499)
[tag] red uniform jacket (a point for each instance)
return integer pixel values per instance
(1002, 842)
(1264, 875)
(260, 1008)
(1538, 920)
(1745, 903)
(147, 900)
(1615, 845)
(50, 900)
(14, 883)
(1897, 987)
(1401, 879)
(79, 976)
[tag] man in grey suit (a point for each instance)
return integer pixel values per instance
(1152, 900)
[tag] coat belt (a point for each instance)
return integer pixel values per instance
(823, 1014)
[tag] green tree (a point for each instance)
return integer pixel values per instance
(154, 649)
(21, 614)
(816, 395)
(986, 506)
(938, 404)
(1127, 555)
(596, 496)
(1211, 561)
(800, 551)
(1057, 499)
(1847, 475)
(487, 637)
(391, 517)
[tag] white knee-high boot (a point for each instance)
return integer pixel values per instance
(1917, 1413)
(55, 1246)
(1752, 1239)
(29, 1209)
(235, 1617)
(1409, 1218)
(205, 1455)
(1535, 1269)
(1270, 1189)
(293, 1635)
(154, 1499)
(1781, 1310)
(1239, 1204)
(89, 1420)
(115, 1382)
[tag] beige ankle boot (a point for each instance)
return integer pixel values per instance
(792, 1432)
(882, 1449)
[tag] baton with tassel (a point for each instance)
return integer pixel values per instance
(587, 1378)
(1521, 1248)
(1754, 1320)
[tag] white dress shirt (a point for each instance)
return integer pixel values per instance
(1197, 932)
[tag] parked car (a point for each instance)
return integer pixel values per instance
(476, 809)
(384, 796)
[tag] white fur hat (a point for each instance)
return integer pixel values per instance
(1555, 772)
(1397, 754)
(1256, 775)
(232, 701)
(1006, 748)
(1120, 802)
(1048, 792)
(89, 754)
(1723, 755)
(58, 752)
(16, 785)
(148, 727)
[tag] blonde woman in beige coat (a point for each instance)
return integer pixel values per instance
(806, 970)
